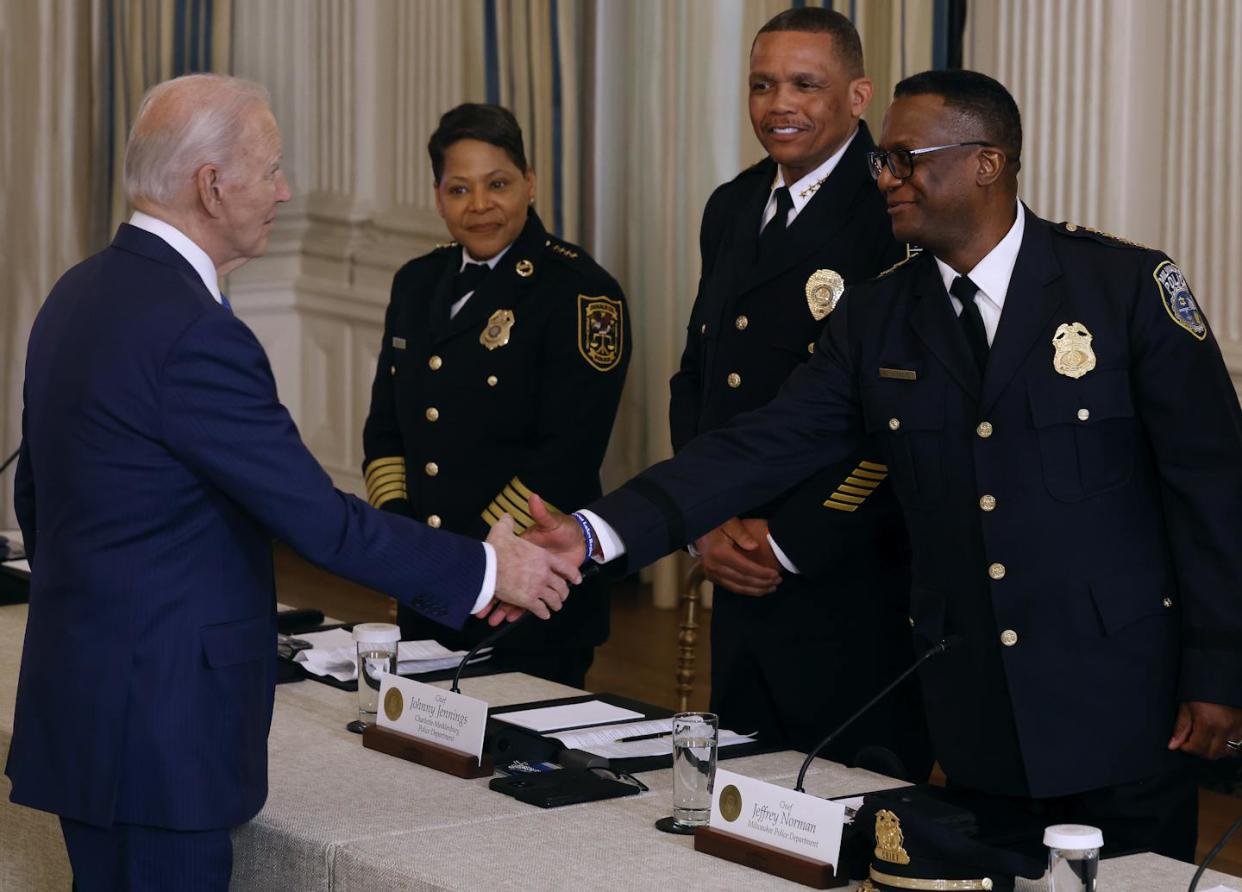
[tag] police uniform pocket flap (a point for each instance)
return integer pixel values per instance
(899, 406)
(1100, 395)
(1122, 601)
(228, 644)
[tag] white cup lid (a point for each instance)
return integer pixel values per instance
(1073, 836)
(376, 633)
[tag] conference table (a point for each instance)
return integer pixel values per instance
(340, 817)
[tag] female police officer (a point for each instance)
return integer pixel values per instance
(500, 372)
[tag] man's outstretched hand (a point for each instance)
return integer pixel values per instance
(527, 577)
(559, 533)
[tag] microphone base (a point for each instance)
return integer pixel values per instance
(757, 856)
(426, 753)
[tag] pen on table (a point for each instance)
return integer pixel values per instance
(643, 737)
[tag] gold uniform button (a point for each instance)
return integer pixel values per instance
(492, 380)
(431, 468)
(984, 429)
(1084, 414)
(894, 424)
(741, 322)
(1009, 638)
(435, 362)
(810, 348)
(987, 503)
(1168, 602)
(996, 571)
(433, 414)
(735, 380)
(433, 521)
(392, 370)
(703, 328)
(911, 621)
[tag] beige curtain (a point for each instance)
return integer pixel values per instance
(73, 73)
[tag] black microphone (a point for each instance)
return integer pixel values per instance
(945, 643)
(1216, 850)
(488, 641)
(12, 458)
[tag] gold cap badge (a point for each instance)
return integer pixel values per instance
(889, 839)
(1074, 356)
(496, 334)
(823, 290)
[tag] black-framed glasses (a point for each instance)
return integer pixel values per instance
(900, 162)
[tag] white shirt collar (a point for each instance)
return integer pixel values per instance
(466, 258)
(796, 191)
(991, 275)
(183, 245)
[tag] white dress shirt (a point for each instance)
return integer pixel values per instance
(197, 258)
(466, 259)
(818, 175)
(991, 276)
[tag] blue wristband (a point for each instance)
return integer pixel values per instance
(587, 533)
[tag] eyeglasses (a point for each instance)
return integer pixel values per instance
(900, 162)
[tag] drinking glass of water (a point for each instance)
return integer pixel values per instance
(695, 735)
(377, 657)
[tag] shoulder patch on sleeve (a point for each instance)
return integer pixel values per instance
(1179, 303)
(1098, 235)
(601, 331)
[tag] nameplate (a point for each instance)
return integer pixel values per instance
(426, 712)
(797, 823)
(899, 374)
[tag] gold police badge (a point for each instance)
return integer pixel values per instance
(823, 290)
(601, 331)
(394, 704)
(1074, 356)
(730, 803)
(889, 838)
(496, 333)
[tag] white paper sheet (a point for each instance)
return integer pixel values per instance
(607, 740)
(573, 715)
(334, 653)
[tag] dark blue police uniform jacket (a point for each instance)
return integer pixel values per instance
(157, 464)
(1097, 585)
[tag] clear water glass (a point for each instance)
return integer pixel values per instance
(695, 736)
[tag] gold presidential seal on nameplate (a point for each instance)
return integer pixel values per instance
(730, 803)
(1073, 357)
(496, 334)
(601, 331)
(394, 704)
(823, 289)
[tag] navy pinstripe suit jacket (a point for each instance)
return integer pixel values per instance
(157, 465)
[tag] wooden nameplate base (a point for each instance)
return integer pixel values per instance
(424, 752)
(758, 856)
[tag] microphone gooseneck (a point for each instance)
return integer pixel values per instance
(486, 642)
(949, 641)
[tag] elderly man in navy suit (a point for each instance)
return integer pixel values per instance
(157, 464)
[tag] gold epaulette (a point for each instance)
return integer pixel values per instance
(858, 484)
(513, 500)
(385, 479)
(564, 251)
(1074, 228)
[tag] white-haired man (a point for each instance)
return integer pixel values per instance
(157, 465)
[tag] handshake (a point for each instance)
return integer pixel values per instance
(535, 570)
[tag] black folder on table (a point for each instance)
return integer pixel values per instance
(509, 743)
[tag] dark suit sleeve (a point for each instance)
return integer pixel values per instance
(576, 406)
(1189, 408)
(383, 450)
(814, 422)
(686, 385)
(222, 418)
(24, 497)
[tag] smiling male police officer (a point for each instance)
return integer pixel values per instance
(1030, 383)
(812, 587)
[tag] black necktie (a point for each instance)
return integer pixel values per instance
(775, 230)
(468, 279)
(972, 321)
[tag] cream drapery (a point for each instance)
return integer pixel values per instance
(73, 74)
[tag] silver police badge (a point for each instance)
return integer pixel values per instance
(823, 290)
(1073, 357)
(1178, 301)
